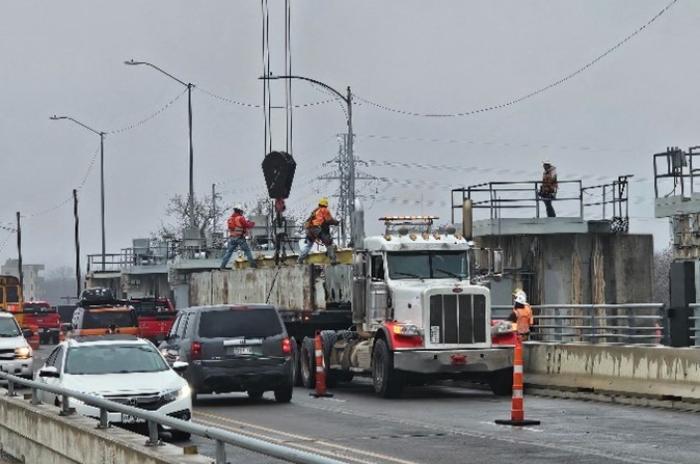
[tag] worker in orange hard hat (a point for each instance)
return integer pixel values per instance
(318, 229)
(522, 314)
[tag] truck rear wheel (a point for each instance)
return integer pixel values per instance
(307, 363)
(387, 381)
(296, 363)
(501, 382)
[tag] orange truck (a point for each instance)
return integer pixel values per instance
(100, 313)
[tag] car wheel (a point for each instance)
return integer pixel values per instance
(501, 382)
(387, 381)
(284, 395)
(255, 395)
(307, 363)
(179, 435)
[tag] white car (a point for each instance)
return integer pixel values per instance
(120, 368)
(15, 353)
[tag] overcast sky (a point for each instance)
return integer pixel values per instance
(448, 56)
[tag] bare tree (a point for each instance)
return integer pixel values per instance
(178, 218)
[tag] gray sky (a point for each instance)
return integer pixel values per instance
(449, 56)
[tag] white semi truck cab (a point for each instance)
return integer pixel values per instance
(419, 313)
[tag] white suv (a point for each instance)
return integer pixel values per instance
(120, 368)
(15, 353)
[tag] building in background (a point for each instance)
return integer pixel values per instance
(32, 279)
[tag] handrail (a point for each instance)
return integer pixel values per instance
(154, 419)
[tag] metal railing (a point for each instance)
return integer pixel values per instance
(613, 201)
(629, 324)
(695, 324)
(675, 171)
(154, 419)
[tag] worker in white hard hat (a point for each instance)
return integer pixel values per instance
(238, 227)
(522, 314)
(549, 187)
(318, 229)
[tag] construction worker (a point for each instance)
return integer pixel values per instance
(318, 229)
(522, 314)
(238, 227)
(549, 187)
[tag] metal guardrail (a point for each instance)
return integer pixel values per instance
(695, 327)
(638, 323)
(153, 419)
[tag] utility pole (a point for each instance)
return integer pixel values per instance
(213, 209)
(351, 159)
(78, 275)
(19, 252)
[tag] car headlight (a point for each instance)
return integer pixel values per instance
(407, 330)
(23, 352)
(173, 395)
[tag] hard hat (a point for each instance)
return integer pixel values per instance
(323, 202)
(520, 296)
(547, 162)
(238, 207)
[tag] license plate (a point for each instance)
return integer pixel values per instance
(243, 350)
(127, 419)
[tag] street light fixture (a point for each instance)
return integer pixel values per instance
(102, 177)
(189, 85)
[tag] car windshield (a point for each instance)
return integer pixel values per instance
(113, 359)
(98, 319)
(247, 322)
(8, 327)
(428, 265)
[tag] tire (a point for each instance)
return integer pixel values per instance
(501, 382)
(284, 395)
(328, 338)
(296, 367)
(255, 395)
(307, 363)
(387, 381)
(179, 435)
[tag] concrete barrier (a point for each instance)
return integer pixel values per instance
(654, 372)
(38, 435)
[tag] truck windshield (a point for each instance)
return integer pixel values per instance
(98, 319)
(428, 265)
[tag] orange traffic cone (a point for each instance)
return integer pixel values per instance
(517, 412)
(320, 391)
(34, 340)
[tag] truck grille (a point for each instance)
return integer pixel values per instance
(457, 319)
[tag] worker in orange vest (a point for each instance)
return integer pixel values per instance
(318, 229)
(238, 227)
(522, 314)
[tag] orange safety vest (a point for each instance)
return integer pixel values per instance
(523, 319)
(237, 225)
(320, 216)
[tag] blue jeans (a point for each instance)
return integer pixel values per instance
(233, 245)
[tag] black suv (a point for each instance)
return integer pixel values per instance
(232, 348)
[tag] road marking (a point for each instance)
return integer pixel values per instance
(305, 439)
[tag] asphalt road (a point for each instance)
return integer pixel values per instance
(440, 425)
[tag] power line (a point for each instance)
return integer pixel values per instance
(529, 95)
(253, 105)
(143, 121)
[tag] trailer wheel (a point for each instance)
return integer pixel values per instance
(328, 338)
(307, 362)
(501, 382)
(387, 381)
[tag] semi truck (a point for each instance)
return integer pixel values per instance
(411, 307)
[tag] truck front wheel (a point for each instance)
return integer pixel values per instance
(501, 382)
(387, 381)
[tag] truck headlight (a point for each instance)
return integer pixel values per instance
(23, 352)
(502, 327)
(407, 330)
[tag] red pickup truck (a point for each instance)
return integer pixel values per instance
(155, 316)
(45, 317)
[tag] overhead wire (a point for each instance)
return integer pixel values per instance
(143, 121)
(528, 95)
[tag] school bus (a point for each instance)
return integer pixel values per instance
(11, 298)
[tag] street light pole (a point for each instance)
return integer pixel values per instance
(102, 179)
(347, 99)
(189, 85)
